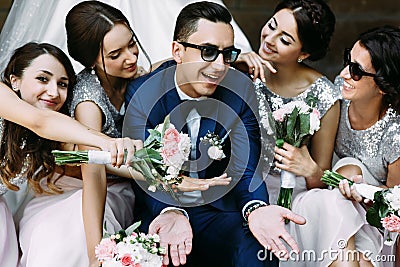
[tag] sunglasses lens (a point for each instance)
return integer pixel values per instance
(355, 71)
(209, 53)
(230, 55)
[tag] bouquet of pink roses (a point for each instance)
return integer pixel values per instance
(130, 248)
(160, 161)
(385, 211)
(293, 123)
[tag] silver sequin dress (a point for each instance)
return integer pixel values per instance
(376, 147)
(321, 89)
(326, 211)
(60, 214)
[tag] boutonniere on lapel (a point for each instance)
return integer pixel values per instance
(215, 151)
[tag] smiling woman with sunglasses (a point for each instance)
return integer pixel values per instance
(368, 139)
(355, 69)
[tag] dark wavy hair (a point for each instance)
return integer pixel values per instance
(315, 25)
(86, 24)
(21, 148)
(383, 45)
(188, 18)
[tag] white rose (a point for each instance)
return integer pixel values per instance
(152, 188)
(150, 260)
(173, 171)
(314, 122)
(389, 242)
(184, 145)
(394, 198)
(161, 125)
(176, 161)
(215, 153)
(111, 263)
(124, 248)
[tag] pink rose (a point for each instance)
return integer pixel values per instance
(169, 149)
(279, 114)
(391, 223)
(134, 234)
(171, 135)
(106, 249)
(126, 260)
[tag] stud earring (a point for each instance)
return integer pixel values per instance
(299, 60)
(14, 87)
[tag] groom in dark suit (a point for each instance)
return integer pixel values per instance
(227, 226)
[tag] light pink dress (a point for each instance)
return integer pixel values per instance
(8, 238)
(51, 231)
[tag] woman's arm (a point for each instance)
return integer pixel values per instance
(393, 177)
(188, 184)
(94, 183)
(56, 126)
(322, 146)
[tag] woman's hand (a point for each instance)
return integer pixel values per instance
(195, 184)
(299, 161)
(348, 191)
(117, 147)
(294, 159)
(252, 63)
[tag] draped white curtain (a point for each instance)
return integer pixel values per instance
(44, 20)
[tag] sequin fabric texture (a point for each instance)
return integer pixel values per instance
(88, 88)
(20, 178)
(322, 89)
(376, 147)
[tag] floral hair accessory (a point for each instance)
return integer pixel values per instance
(215, 151)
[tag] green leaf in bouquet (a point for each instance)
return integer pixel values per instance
(148, 153)
(153, 139)
(165, 125)
(373, 217)
(383, 210)
(311, 100)
(291, 125)
(279, 142)
(132, 228)
(304, 124)
(271, 122)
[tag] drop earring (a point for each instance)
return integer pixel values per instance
(14, 87)
(93, 72)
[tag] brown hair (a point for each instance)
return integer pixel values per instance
(22, 152)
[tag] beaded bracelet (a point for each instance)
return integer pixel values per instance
(252, 208)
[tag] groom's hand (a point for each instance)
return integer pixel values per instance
(175, 236)
(268, 226)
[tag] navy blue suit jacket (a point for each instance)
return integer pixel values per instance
(233, 107)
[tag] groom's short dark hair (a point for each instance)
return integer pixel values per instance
(188, 18)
